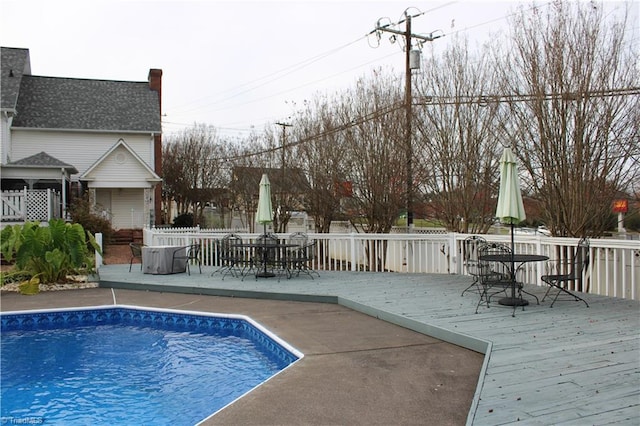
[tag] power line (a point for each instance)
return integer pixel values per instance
(445, 101)
(494, 98)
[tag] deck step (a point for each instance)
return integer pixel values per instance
(126, 236)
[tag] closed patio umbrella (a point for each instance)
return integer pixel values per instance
(264, 214)
(510, 208)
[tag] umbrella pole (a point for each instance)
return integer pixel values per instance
(265, 256)
(513, 265)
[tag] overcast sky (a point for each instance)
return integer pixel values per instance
(236, 65)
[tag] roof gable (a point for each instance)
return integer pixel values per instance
(70, 104)
(120, 163)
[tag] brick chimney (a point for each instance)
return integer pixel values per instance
(155, 83)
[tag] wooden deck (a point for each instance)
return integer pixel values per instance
(563, 365)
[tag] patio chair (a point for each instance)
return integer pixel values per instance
(567, 272)
(292, 254)
(232, 258)
(470, 247)
(494, 277)
(301, 260)
(266, 258)
(136, 253)
(191, 254)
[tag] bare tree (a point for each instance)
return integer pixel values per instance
(319, 152)
(571, 72)
(376, 150)
(456, 143)
(249, 153)
(190, 173)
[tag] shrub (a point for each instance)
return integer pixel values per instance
(80, 211)
(184, 220)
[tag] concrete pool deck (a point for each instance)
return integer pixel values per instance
(357, 369)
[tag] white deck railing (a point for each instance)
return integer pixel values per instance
(614, 269)
(30, 204)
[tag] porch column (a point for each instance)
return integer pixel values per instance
(64, 194)
(92, 199)
(147, 208)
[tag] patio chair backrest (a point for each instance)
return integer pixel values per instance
(136, 250)
(228, 253)
(470, 248)
(494, 269)
(299, 238)
(193, 252)
(580, 260)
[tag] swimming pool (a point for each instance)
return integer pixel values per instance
(130, 365)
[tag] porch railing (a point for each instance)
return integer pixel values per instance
(614, 269)
(30, 205)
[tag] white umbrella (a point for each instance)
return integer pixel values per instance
(510, 208)
(264, 214)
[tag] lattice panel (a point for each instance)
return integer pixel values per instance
(37, 205)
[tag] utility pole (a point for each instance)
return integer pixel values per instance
(283, 185)
(284, 140)
(408, 100)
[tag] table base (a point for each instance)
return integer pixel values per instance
(513, 301)
(265, 274)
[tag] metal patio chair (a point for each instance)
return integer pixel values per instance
(494, 277)
(568, 272)
(136, 253)
(191, 254)
(470, 247)
(232, 258)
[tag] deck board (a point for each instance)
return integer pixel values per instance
(568, 364)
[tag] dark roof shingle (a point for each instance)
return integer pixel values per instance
(14, 63)
(43, 160)
(70, 103)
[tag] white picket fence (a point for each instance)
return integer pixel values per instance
(614, 269)
(30, 204)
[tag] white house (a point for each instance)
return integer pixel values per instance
(75, 135)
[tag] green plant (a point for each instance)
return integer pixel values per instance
(81, 212)
(47, 253)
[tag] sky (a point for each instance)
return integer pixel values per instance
(237, 65)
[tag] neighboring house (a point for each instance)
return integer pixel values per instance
(75, 135)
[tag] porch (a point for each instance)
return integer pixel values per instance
(31, 205)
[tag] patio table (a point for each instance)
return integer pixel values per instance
(159, 260)
(267, 247)
(513, 260)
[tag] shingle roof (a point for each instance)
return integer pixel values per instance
(43, 160)
(14, 62)
(69, 103)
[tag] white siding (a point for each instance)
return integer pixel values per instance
(79, 149)
(120, 169)
(5, 140)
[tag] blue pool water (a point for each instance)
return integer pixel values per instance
(124, 365)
